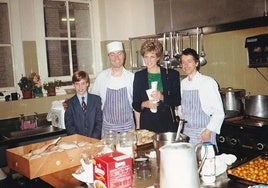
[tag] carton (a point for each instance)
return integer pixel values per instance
(50, 162)
(113, 170)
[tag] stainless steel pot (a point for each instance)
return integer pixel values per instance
(165, 138)
(233, 101)
(257, 105)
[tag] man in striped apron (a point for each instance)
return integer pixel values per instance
(201, 104)
(115, 85)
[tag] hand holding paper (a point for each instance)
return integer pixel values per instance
(149, 94)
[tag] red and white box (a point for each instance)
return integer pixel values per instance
(114, 170)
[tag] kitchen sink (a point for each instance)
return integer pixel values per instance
(15, 138)
(32, 132)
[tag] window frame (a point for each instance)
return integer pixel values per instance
(15, 43)
(41, 41)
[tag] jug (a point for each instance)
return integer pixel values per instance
(184, 157)
(178, 166)
(206, 158)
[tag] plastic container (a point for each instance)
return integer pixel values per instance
(208, 172)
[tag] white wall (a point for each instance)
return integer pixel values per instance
(119, 19)
(27, 20)
(128, 18)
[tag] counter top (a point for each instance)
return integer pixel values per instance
(65, 179)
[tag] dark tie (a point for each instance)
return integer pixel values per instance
(84, 106)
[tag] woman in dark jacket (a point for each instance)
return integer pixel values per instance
(164, 100)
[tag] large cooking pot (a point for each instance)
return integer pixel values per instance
(233, 101)
(257, 105)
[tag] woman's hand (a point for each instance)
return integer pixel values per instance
(149, 104)
(205, 135)
(157, 96)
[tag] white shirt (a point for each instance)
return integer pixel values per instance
(210, 98)
(105, 80)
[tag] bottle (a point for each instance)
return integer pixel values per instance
(208, 172)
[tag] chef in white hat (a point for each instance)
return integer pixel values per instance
(115, 46)
(115, 85)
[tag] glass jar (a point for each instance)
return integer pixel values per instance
(125, 143)
(143, 168)
(109, 138)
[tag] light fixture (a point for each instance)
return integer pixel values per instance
(70, 19)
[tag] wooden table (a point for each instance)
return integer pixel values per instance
(62, 179)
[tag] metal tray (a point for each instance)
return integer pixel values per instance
(241, 179)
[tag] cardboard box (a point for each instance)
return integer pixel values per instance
(114, 170)
(51, 162)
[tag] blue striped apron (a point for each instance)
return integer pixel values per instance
(117, 112)
(196, 118)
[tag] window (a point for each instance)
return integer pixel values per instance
(5, 48)
(68, 37)
(67, 41)
(75, 35)
(11, 57)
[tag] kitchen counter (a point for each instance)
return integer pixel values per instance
(65, 179)
(222, 181)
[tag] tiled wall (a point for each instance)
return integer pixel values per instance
(227, 60)
(228, 63)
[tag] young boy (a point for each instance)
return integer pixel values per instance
(83, 114)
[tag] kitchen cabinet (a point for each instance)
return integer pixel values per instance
(174, 15)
